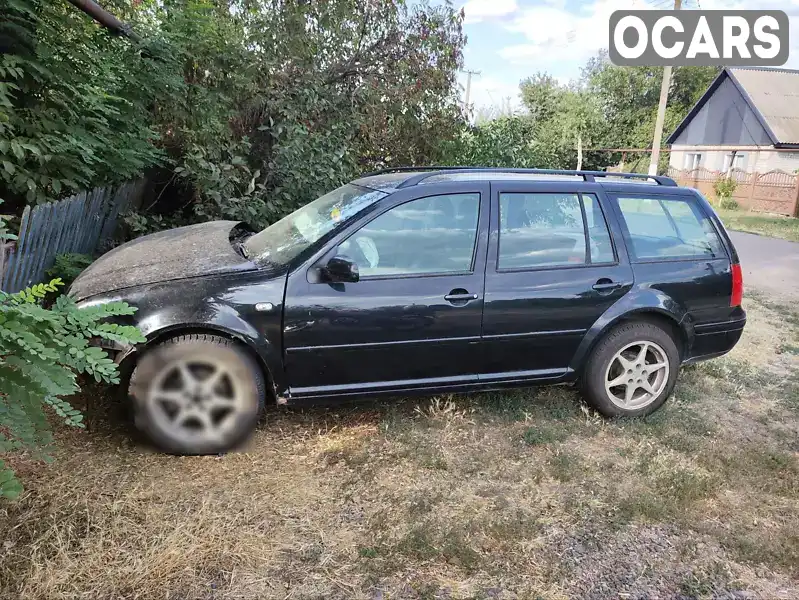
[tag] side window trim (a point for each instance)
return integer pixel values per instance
(585, 229)
(480, 199)
(606, 223)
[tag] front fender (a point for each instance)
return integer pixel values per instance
(229, 308)
(638, 302)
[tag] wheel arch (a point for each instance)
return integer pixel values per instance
(678, 324)
(129, 361)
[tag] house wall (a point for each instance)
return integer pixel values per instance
(777, 161)
(756, 160)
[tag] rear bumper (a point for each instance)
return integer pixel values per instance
(715, 339)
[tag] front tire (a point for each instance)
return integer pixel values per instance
(632, 371)
(197, 394)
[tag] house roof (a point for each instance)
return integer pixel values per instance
(772, 94)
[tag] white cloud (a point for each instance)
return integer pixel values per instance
(489, 91)
(480, 10)
(554, 33)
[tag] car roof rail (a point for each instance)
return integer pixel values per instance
(590, 176)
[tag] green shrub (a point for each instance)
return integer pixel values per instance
(725, 187)
(729, 204)
(67, 267)
(41, 352)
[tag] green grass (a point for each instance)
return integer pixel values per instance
(786, 228)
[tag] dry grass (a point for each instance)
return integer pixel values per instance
(518, 495)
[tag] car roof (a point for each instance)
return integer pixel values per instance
(390, 180)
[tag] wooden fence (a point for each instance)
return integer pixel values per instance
(774, 192)
(80, 224)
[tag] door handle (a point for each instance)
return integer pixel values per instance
(460, 297)
(606, 285)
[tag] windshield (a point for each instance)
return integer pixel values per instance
(286, 239)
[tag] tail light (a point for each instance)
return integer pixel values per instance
(737, 286)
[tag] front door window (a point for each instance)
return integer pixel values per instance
(426, 236)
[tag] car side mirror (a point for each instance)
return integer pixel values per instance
(342, 269)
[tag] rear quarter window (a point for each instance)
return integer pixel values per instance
(668, 228)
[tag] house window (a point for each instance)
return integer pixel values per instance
(692, 161)
(734, 160)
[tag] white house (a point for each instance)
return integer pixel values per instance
(747, 119)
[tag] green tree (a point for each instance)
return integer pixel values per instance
(284, 100)
(627, 99)
(248, 107)
(74, 103)
(543, 96)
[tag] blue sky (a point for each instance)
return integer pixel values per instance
(509, 40)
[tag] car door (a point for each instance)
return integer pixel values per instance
(413, 319)
(553, 269)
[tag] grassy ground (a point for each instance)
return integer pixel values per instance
(519, 495)
(786, 228)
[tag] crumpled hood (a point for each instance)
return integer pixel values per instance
(190, 251)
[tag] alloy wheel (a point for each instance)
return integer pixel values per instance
(636, 375)
(196, 401)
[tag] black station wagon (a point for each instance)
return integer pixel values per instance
(424, 281)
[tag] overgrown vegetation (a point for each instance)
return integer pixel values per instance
(249, 108)
(75, 103)
(42, 350)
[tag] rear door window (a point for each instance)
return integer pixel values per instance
(541, 230)
(668, 228)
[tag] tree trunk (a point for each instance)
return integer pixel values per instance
(579, 152)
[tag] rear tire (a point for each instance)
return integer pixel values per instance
(632, 371)
(197, 394)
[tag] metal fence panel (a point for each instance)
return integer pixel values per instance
(80, 224)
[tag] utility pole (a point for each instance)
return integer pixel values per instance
(469, 86)
(664, 95)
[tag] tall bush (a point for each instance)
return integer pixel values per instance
(75, 102)
(41, 352)
(725, 187)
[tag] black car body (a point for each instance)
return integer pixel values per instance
(538, 267)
